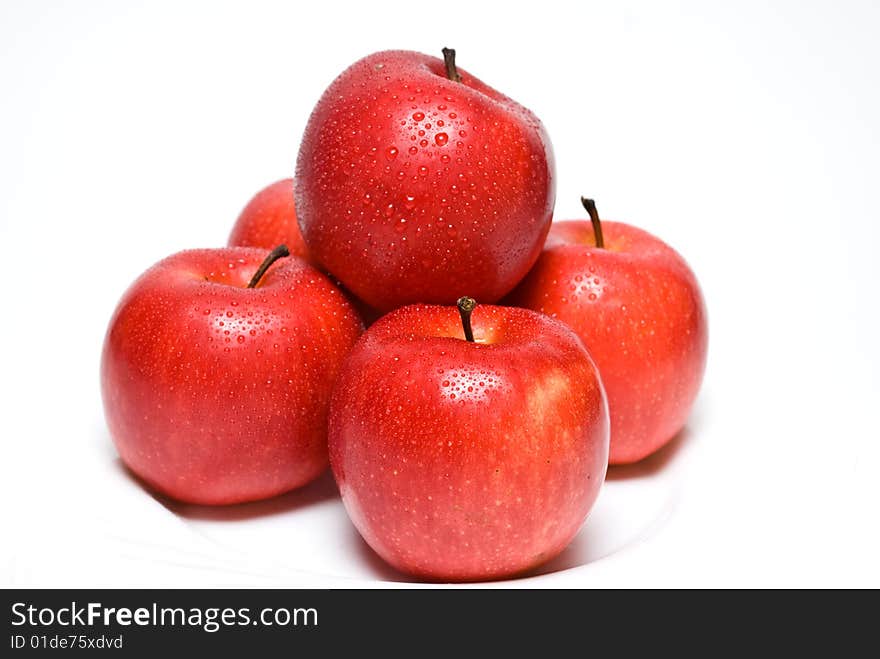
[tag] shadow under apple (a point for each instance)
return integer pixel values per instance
(654, 463)
(319, 490)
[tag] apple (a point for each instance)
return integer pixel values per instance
(217, 369)
(468, 450)
(415, 180)
(638, 308)
(269, 219)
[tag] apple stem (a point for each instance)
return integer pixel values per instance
(590, 206)
(279, 252)
(449, 59)
(466, 306)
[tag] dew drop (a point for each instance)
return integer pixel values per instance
(441, 139)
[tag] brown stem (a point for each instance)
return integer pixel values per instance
(466, 306)
(449, 59)
(590, 206)
(279, 252)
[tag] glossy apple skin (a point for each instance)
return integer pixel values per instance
(466, 461)
(269, 220)
(414, 188)
(218, 394)
(638, 308)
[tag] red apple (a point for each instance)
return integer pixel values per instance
(638, 308)
(269, 219)
(463, 460)
(415, 180)
(216, 392)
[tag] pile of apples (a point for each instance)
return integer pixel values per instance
(506, 360)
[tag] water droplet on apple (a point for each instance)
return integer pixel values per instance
(441, 139)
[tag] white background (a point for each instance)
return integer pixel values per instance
(746, 134)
